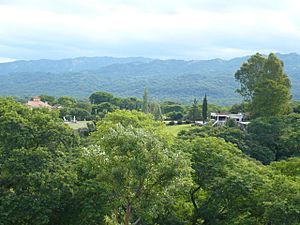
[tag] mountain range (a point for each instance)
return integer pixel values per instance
(177, 80)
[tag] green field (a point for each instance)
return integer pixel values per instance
(79, 124)
(175, 129)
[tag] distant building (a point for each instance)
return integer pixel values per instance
(36, 103)
(222, 118)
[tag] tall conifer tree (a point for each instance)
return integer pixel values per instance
(204, 109)
(145, 107)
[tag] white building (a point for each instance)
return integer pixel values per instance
(221, 118)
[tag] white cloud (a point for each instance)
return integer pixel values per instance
(177, 28)
(5, 60)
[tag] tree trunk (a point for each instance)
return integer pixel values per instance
(128, 214)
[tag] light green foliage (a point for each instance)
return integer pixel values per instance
(156, 111)
(175, 129)
(270, 99)
(289, 167)
(265, 85)
(137, 165)
(249, 74)
(78, 124)
(134, 119)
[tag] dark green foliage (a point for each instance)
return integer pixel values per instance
(101, 97)
(66, 101)
(231, 189)
(168, 107)
(204, 109)
(174, 116)
(266, 139)
(47, 98)
(131, 170)
(230, 123)
(239, 108)
(130, 103)
(36, 182)
(103, 108)
(22, 127)
(80, 114)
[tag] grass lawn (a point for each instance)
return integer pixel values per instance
(79, 124)
(175, 129)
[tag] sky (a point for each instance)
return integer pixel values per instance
(177, 29)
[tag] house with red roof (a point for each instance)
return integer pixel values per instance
(36, 103)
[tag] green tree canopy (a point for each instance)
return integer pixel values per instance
(136, 164)
(100, 97)
(36, 182)
(265, 85)
(66, 101)
(232, 189)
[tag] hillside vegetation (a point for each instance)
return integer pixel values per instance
(166, 79)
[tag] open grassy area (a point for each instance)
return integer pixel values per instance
(175, 129)
(79, 124)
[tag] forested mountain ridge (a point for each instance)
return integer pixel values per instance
(166, 79)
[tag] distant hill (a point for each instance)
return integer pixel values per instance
(166, 79)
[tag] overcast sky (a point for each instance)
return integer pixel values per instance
(181, 29)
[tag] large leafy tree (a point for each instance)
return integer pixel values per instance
(21, 127)
(66, 101)
(265, 85)
(35, 179)
(232, 189)
(249, 74)
(137, 165)
(100, 97)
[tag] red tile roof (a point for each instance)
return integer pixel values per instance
(37, 103)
